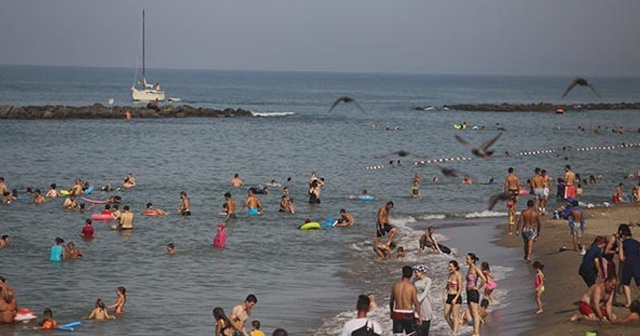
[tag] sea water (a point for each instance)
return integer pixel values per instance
(306, 281)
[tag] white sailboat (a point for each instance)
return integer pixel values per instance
(141, 90)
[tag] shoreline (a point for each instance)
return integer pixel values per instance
(99, 111)
(564, 286)
(534, 107)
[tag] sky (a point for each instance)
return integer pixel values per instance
(486, 37)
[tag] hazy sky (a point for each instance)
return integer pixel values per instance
(529, 37)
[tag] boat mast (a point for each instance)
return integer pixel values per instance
(144, 76)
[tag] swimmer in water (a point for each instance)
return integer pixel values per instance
(121, 301)
(171, 249)
(99, 312)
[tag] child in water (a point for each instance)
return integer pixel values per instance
(539, 283)
(255, 328)
(490, 286)
(171, 249)
(99, 312)
(47, 323)
(220, 240)
(415, 190)
(121, 301)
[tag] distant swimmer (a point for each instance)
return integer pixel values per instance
(582, 82)
(236, 181)
(346, 100)
(129, 181)
(185, 204)
(482, 151)
(400, 153)
(151, 211)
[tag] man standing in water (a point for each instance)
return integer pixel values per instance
(126, 219)
(383, 226)
(404, 304)
(530, 222)
(253, 203)
(231, 207)
(185, 204)
(512, 186)
(570, 181)
(240, 314)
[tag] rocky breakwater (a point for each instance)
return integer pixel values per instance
(536, 107)
(98, 111)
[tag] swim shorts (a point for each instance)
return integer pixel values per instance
(529, 233)
(628, 274)
(576, 231)
(386, 228)
(232, 216)
(585, 309)
(473, 296)
(569, 191)
(539, 192)
(253, 212)
(491, 285)
(545, 192)
(186, 213)
(403, 321)
(450, 299)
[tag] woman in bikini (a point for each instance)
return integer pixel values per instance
(473, 295)
(223, 325)
(121, 301)
(452, 296)
(99, 312)
(490, 285)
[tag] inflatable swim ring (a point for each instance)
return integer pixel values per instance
(330, 222)
(365, 198)
(416, 195)
(101, 217)
(89, 190)
(524, 192)
(310, 226)
(24, 315)
(222, 213)
(64, 192)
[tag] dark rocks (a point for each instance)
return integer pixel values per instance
(536, 107)
(98, 111)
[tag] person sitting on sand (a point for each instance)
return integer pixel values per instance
(99, 312)
(150, 211)
(428, 240)
(129, 181)
(467, 318)
(596, 304)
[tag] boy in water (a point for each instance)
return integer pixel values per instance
(255, 328)
(47, 323)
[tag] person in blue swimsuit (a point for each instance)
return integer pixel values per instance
(57, 250)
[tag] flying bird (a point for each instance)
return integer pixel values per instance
(400, 153)
(482, 151)
(498, 197)
(449, 172)
(582, 82)
(346, 100)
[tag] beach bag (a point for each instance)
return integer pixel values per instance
(365, 330)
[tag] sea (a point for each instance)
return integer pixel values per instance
(306, 282)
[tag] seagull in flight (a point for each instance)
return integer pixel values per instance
(482, 151)
(400, 153)
(498, 197)
(582, 82)
(449, 172)
(346, 100)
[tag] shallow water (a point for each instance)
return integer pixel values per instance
(306, 282)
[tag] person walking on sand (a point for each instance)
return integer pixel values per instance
(241, 313)
(537, 184)
(531, 228)
(512, 186)
(538, 281)
(383, 226)
(404, 304)
(361, 322)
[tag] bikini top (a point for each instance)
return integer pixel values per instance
(452, 283)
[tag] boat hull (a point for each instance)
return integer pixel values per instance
(147, 94)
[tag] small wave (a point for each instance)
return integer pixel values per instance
(432, 217)
(272, 114)
(485, 213)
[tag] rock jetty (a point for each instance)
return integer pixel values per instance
(535, 107)
(99, 111)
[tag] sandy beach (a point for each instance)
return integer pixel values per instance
(564, 287)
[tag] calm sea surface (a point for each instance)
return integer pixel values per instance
(306, 282)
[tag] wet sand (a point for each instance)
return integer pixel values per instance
(564, 286)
